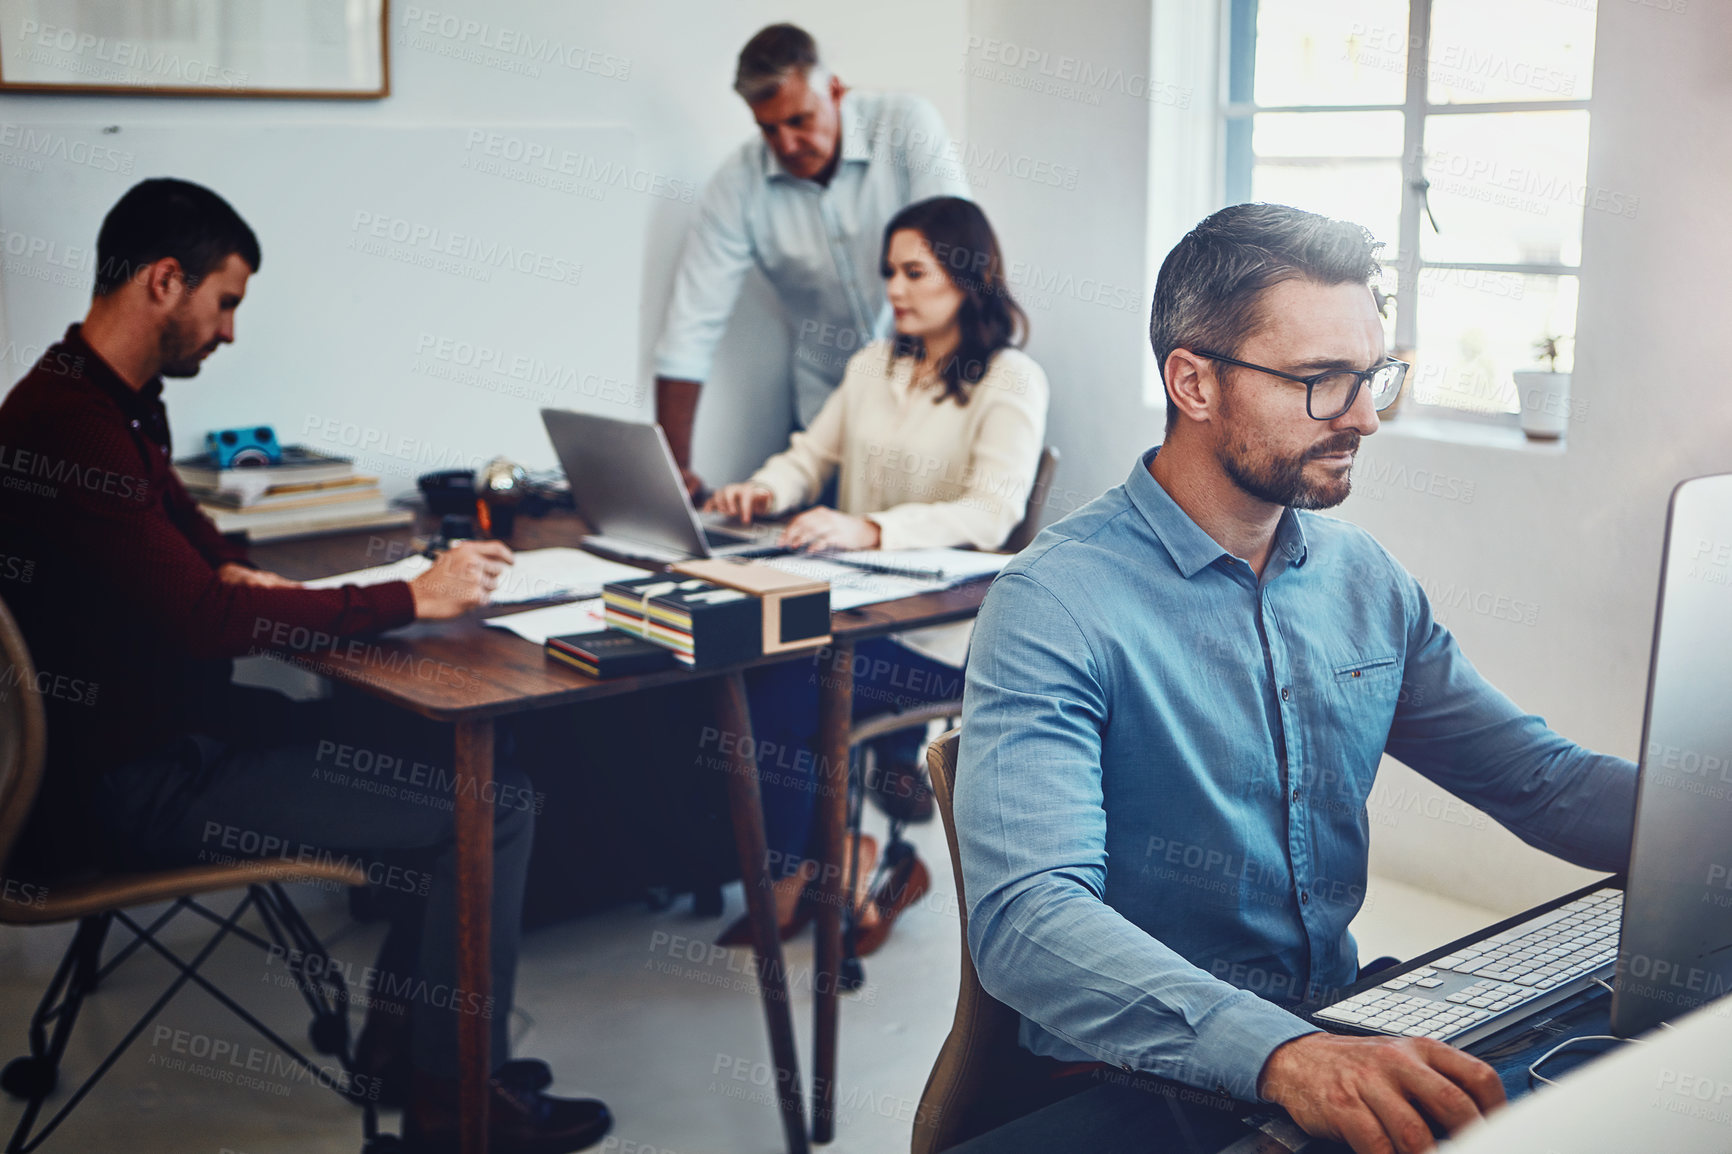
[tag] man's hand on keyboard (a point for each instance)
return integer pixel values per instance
(1376, 1094)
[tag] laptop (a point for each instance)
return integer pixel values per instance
(626, 485)
(1662, 940)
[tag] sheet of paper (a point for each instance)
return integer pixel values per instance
(559, 572)
(851, 588)
(535, 575)
(407, 569)
(952, 566)
(537, 625)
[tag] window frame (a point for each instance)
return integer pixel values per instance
(1240, 108)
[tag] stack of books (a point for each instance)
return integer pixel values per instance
(705, 624)
(609, 654)
(795, 610)
(309, 492)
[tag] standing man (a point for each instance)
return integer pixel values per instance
(1178, 697)
(807, 203)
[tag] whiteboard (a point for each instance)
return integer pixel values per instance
(423, 291)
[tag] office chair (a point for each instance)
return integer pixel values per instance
(1037, 494)
(897, 848)
(982, 1077)
(98, 900)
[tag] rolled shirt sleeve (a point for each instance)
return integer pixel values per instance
(717, 255)
(1042, 936)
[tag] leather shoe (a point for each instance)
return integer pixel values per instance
(518, 1121)
(382, 1062)
(905, 882)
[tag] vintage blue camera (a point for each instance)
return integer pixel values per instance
(230, 448)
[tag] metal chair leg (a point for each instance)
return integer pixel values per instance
(35, 1076)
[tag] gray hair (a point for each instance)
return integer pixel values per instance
(1211, 284)
(773, 55)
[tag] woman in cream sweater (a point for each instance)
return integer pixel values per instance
(933, 438)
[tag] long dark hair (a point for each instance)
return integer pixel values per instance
(989, 319)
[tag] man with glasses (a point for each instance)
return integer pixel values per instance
(1177, 700)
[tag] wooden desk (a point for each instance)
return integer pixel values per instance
(467, 675)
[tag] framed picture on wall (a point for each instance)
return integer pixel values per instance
(317, 49)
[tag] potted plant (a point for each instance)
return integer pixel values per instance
(1544, 393)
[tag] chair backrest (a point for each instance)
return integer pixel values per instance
(23, 733)
(1030, 523)
(982, 1078)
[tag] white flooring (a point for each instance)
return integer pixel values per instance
(629, 1006)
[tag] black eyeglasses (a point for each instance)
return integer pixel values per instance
(1331, 393)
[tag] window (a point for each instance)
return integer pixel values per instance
(1457, 131)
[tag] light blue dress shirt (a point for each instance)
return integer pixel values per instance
(818, 245)
(1161, 793)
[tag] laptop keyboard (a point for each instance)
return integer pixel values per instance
(1481, 988)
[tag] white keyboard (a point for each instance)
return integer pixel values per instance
(1483, 988)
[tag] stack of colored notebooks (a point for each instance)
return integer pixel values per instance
(704, 624)
(609, 654)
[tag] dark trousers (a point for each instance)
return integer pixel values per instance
(313, 781)
(784, 704)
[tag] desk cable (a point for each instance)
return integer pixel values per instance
(1534, 1074)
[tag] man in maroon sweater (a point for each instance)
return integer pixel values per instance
(135, 607)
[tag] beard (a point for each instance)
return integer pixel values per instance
(182, 355)
(1281, 480)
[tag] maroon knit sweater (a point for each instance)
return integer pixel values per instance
(111, 569)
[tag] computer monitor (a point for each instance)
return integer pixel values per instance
(1675, 948)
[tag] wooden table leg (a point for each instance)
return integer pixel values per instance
(748, 816)
(474, 816)
(835, 715)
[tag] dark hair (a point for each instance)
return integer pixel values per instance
(769, 57)
(989, 318)
(167, 217)
(1211, 284)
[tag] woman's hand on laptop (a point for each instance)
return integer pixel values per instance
(1378, 1094)
(462, 578)
(742, 501)
(821, 528)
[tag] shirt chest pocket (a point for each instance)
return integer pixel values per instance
(1365, 672)
(1366, 692)
(1346, 740)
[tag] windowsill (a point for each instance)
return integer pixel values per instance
(1468, 431)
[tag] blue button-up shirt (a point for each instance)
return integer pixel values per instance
(819, 245)
(1165, 761)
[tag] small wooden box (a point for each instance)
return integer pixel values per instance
(796, 609)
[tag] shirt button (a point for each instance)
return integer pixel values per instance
(135, 424)
(1285, 693)
(1295, 795)
(1126, 1067)
(1304, 899)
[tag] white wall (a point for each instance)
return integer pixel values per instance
(677, 103)
(1076, 249)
